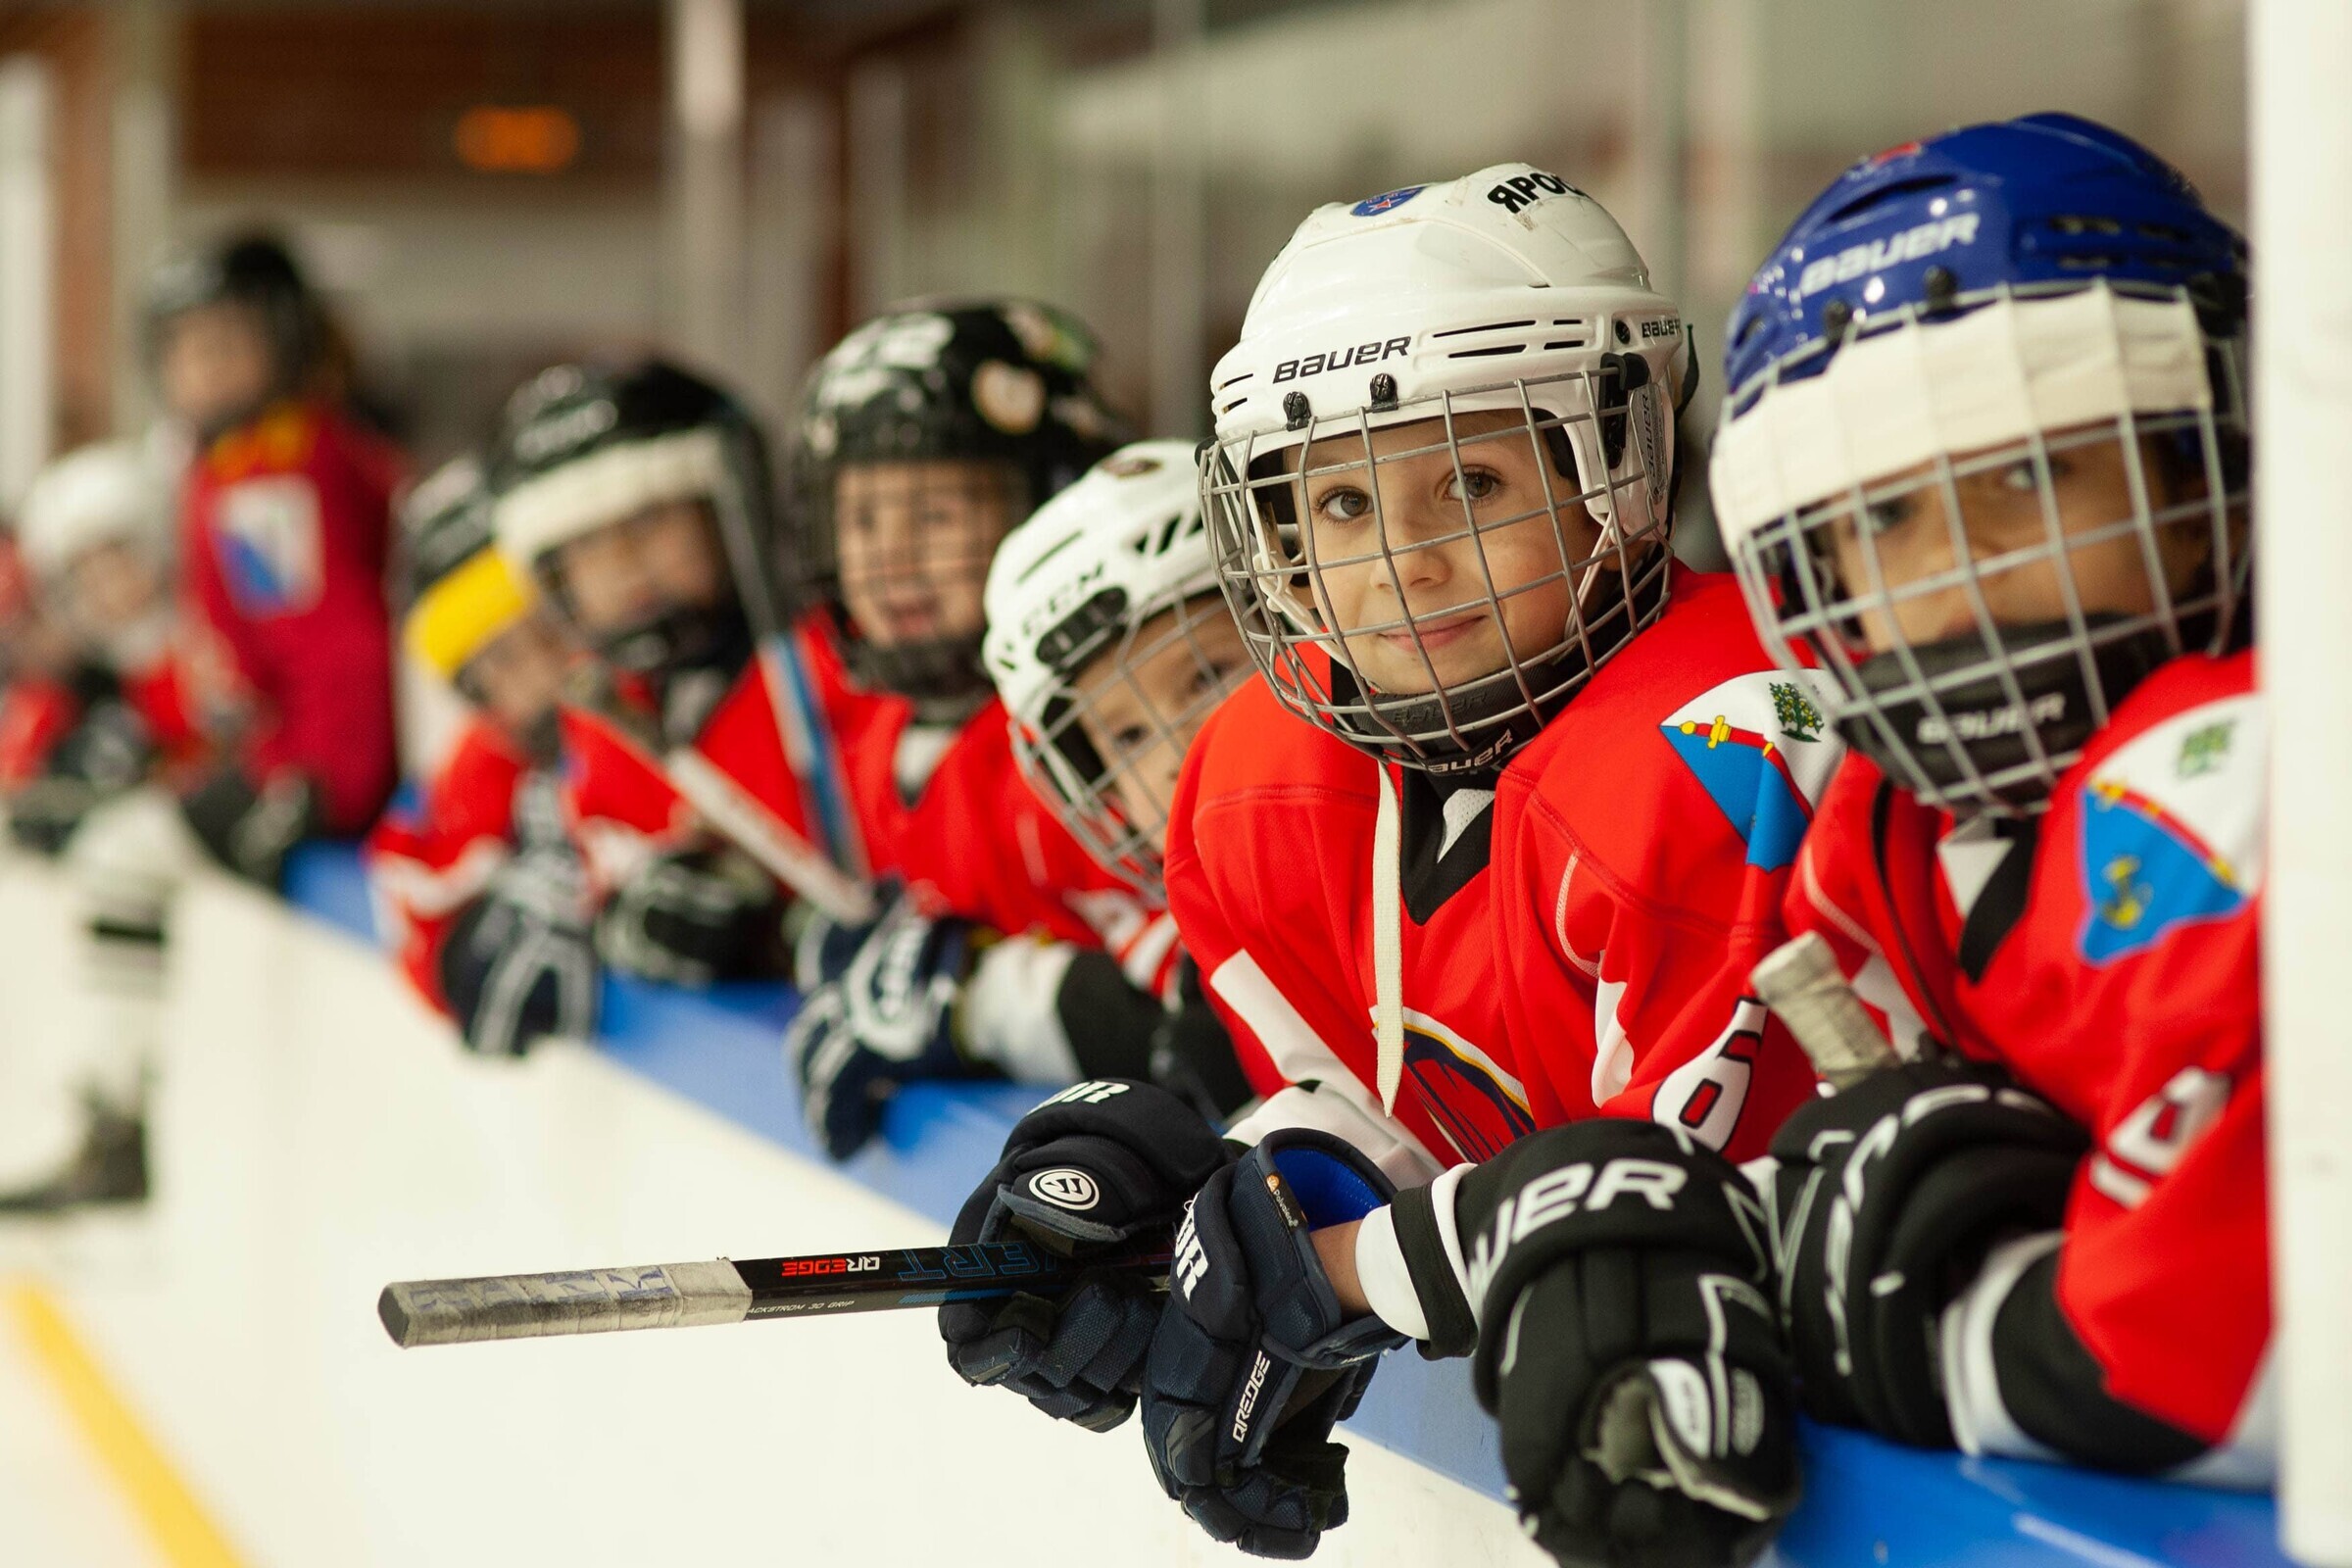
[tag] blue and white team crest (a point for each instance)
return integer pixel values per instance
(265, 535)
(1386, 201)
(2173, 829)
(1763, 751)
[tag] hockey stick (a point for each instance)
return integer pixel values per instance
(1800, 981)
(678, 1296)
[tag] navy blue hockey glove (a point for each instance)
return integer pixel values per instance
(1254, 1361)
(1096, 1169)
(888, 1021)
(1627, 1345)
(1888, 1195)
(518, 964)
(694, 919)
(251, 827)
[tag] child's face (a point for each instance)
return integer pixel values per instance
(664, 557)
(1142, 702)
(2006, 533)
(518, 677)
(914, 540)
(1458, 574)
(216, 363)
(110, 588)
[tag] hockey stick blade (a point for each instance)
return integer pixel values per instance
(1800, 981)
(676, 1296)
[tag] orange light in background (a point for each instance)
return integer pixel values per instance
(539, 139)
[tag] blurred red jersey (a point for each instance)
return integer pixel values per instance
(284, 525)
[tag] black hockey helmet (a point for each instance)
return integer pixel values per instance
(255, 270)
(987, 380)
(584, 447)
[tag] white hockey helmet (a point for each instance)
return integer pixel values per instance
(1082, 580)
(1506, 291)
(106, 493)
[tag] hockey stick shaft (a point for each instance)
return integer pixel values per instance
(738, 816)
(1801, 982)
(669, 1296)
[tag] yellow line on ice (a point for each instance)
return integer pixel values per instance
(175, 1521)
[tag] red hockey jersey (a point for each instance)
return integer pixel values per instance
(284, 525)
(426, 864)
(1577, 945)
(2107, 955)
(974, 842)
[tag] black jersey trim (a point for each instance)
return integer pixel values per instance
(2002, 903)
(2055, 1388)
(1432, 870)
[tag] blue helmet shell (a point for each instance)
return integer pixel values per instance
(2045, 200)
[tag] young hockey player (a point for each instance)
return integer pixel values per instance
(96, 534)
(284, 528)
(1985, 461)
(925, 436)
(1452, 567)
(639, 500)
(480, 888)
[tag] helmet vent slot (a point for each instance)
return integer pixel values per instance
(1480, 354)
(1490, 326)
(1887, 193)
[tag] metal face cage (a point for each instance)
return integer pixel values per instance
(1983, 607)
(1107, 746)
(908, 545)
(1430, 580)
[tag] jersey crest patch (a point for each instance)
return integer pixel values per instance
(1759, 747)
(1479, 1107)
(2172, 829)
(265, 535)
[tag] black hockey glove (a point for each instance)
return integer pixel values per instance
(692, 918)
(1252, 1321)
(250, 827)
(1093, 1170)
(520, 963)
(1193, 1054)
(1888, 1195)
(110, 750)
(1627, 1347)
(889, 1021)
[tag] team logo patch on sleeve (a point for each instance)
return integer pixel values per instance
(266, 538)
(1760, 748)
(2172, 829)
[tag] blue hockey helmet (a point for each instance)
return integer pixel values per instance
(1982, 452)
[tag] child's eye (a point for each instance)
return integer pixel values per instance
(1210, 675)
(1477, 484)
(1888, 515)
(1344, 503)
(1131, 738)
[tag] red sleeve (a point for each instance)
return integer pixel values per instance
(426, 864)
(285, 532)
(36, 712)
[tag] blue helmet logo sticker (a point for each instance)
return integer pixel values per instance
(1374, 206)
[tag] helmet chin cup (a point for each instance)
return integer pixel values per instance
(939, 675)
(1963, 737)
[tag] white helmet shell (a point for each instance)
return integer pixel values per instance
(1476, 287)
(107, 493)
(1125, 542)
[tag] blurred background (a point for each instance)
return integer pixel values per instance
(480, 188)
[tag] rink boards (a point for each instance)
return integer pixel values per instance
(318, 1135)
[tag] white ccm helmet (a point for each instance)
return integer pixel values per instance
(1082, 580)
(1506, 294)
